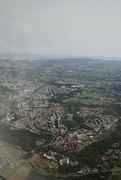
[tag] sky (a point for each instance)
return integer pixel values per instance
(61, 27)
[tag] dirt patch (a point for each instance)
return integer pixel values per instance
(21, 173)
(19, 125)
(41, 162)
(11, 153)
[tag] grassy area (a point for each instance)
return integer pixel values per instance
(88, 94)
(70, 117)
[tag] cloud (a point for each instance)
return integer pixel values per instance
(4, 47)
(73, 27)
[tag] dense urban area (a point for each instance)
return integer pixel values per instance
(60, 119)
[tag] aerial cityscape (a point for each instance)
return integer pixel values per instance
(60, 118)
(60, 90)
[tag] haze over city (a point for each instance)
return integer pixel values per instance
(78, 28)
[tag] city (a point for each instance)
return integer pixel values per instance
(51, 111)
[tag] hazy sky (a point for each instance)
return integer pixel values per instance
(61, 27)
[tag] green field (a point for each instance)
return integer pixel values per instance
(88, 94)
(70, 117)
